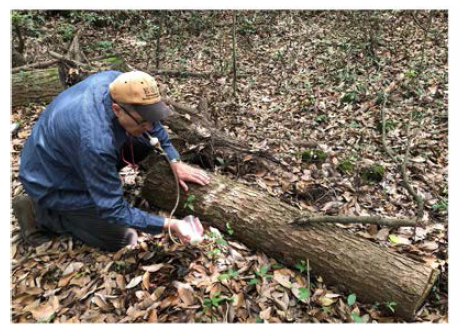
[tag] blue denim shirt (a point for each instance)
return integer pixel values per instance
(69, 160)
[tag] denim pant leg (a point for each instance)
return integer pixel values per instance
(87, 226)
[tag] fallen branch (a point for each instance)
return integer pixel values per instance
(344, 219)
(206, 74)
(403, 163)
(38, 65)
(46, 64)
(417, 198)
(71, 62)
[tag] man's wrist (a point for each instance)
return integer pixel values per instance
(169, 223)
(175, 160)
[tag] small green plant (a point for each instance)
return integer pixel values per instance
(356, 318)
(354, 124)
(314, 156)
(351, 299)
(346, 167)
(410, 73)
(188, 204)
(246, 26)
(263, 272)
(441, 205)
(389, 125)
(373, 173)
(214, 253)
(301, 266)
(214, 301)
(390, 305)
(349, 98)
(304, 294)
(230, 231)
(277, 266)
(66, 31)
(321, 118)
(231, 273)
(103, 45)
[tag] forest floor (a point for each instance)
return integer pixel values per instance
(311, 76)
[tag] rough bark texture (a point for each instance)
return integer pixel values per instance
(38, 86)
(374, 273)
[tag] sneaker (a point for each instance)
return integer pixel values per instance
(24, 211)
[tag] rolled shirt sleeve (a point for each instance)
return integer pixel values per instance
(161, 134)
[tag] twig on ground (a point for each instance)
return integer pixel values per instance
(403, 164)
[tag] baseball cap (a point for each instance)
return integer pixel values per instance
(138, 91)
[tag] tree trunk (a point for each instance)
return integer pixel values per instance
(373, 273)
(38, 86)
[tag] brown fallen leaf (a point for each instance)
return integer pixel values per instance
(80, 280)
(47, 311)
(325, 301)
(265, 314)
(134, 282)
(383, 233)
(153, 268)
(282, 279)
(73, 267)
(121, 282)
(185, 293)
(238, 300)
(157, 293)
(152, 316)
(146, 280)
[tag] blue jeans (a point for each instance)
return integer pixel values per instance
(87, 226)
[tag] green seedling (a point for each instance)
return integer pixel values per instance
(301, 266)
(230, 231)
(214, 301)
(356, 318)
(321, 118)
(188, 204)
(345, 167)
(351, 299)
(304, 294)
(390, 305)
(373, 173)
(442, 205)
(231, 273)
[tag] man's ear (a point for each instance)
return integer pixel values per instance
(116, 109)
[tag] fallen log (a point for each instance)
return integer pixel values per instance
(37, 86)
(373, 273)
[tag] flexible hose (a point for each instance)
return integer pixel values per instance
(154, 143)
(177, 195)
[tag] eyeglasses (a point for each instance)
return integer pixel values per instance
(135, 120)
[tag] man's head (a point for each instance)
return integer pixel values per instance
(137, 102)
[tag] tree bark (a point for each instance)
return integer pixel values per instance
(38, 86)
(373, 273)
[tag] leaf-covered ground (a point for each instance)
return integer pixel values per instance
(311, 76)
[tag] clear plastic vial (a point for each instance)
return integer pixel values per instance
(196, 236)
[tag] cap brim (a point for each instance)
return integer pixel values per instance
(151, 112)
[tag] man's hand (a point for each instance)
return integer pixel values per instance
(187, 173)
(182, 229)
